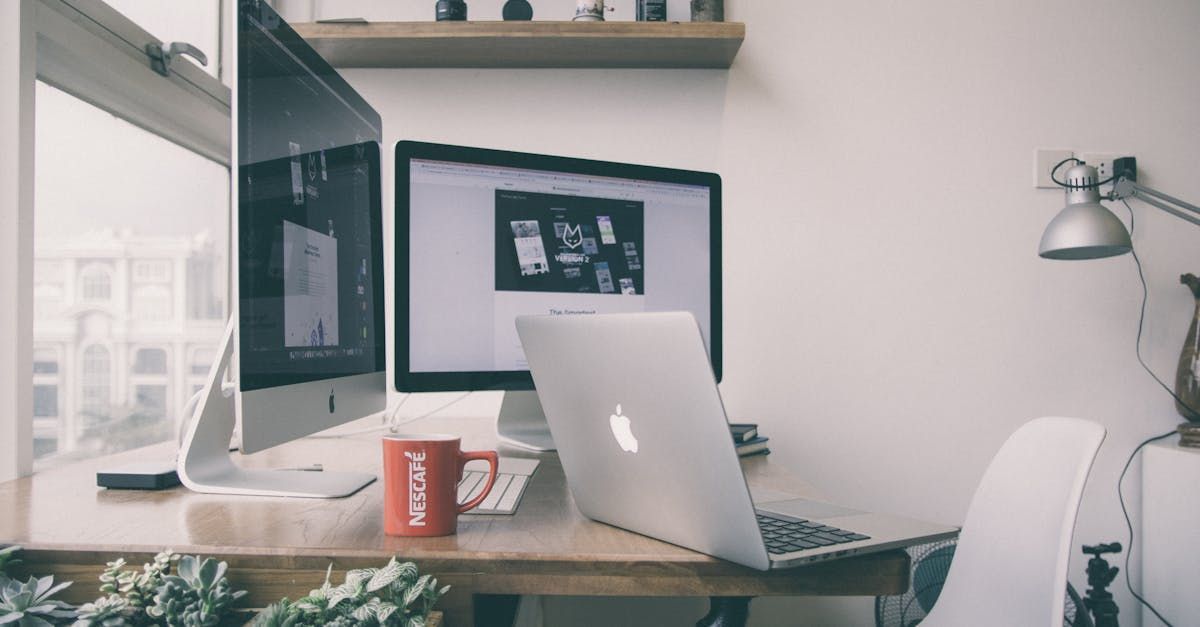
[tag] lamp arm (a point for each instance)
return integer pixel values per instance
(1125, 188)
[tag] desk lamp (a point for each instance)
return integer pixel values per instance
(1084, 229)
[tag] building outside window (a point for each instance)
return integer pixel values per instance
(131, 215)
(152, 303)
(95, 388)
(96, 283)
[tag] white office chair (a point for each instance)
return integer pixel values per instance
(1010, 567)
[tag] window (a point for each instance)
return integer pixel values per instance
(45, 401)
(152, 303)
(96, 388)
(129, 166)
(201, 361)
(95, 283)
(156, 271)
(150, 361)
(110, 247)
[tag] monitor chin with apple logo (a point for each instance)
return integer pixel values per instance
(484, 236)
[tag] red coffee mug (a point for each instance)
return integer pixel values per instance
(420, 483)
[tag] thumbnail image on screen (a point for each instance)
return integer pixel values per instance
(569, 244)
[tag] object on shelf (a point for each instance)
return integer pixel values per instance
(754, 446)
(451, 11)
(708, 10)
(651, 10)
(1189, 434)
(743, 431)
(1187, 375)
(590, 11)
(517, 10)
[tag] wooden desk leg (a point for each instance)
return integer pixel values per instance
(726, 612)
(496, 610)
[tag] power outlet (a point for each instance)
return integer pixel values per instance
(1102, 161)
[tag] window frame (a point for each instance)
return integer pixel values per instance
(94, 53)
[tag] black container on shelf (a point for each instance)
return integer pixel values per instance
(651, 10)
(708, 10)
(451, 10)
(517, 10)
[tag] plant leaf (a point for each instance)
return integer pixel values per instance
(43, 584)
(408, 570)
(412, 594)
(21, 600)
(384, 576)
(55, 590)
(384, 611)
(187, 567)
(207, 572)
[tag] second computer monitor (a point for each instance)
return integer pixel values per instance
(484, 236)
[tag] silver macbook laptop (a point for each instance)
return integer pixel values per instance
(645, 444)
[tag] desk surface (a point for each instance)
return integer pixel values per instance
(70, 527)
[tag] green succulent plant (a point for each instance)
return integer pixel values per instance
(199, 595)
(8, 557)
(109, 611)
(280, 614)
(129, 594)
(396, 595)
(29, 604)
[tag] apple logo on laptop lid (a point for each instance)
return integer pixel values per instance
(621, 431)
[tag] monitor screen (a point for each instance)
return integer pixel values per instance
(310, 242)
(485, 236)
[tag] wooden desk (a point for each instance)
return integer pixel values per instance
(281, 547)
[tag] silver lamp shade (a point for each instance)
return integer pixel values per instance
(1084, 229)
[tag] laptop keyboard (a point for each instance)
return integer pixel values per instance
(783, 535)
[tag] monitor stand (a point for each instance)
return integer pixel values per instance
(522, 423)
(205, 465)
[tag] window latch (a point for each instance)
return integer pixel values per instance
(161, 55)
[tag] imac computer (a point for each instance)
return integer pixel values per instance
(309, 332)
(483, 236)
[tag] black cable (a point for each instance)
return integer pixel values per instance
(1070, 186)
(1129, 462)
(1129, 524)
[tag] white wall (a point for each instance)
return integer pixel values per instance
(888, 321)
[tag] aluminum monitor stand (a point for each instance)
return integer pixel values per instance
(205, 465)
(522, 422)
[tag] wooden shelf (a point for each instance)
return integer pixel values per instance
(527, 44)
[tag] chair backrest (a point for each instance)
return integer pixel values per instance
(1010, 567)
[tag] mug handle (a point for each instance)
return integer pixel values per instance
(493, 461)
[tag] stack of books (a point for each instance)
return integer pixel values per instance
(747, 440)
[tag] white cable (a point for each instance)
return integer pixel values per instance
(391, 419)
(189, 408)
